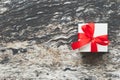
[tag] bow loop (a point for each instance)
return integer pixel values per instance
(88, 29)
(102, 40)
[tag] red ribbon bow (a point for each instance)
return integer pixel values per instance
(87, 37)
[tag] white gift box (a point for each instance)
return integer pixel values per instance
(100, 29)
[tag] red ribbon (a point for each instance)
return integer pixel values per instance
(87, 37)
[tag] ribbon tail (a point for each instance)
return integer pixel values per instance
(94, 46)
(79, 44)
(75, 45)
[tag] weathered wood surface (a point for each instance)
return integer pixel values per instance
(35, 38)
